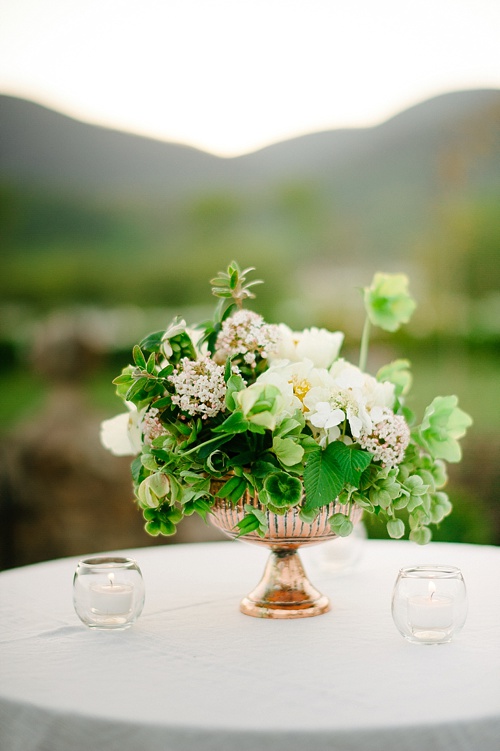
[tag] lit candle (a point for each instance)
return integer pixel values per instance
(111, 599)
(431, 611)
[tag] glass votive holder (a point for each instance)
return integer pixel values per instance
(429, 603)
(108, 592)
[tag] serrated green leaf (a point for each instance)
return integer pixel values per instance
(323, 480)
(351, 461)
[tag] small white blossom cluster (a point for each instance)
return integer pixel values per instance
(151, 426)
(388, 439)
(245, 333)
(199, 387)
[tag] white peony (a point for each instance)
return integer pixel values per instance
(319, 346)
(294, 380)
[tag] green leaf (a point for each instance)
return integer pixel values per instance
(326, 472)
(249, 523)
(139, 358)
(123, 378)
(397, 373)
(166, 371)
(420, 535)
(202, 508)
(235, 423)
(153, 527)
(352, 461)
(138, 386)
(323, 479)
(167, 528)
(136, 469)
(283, 490)
(308, 516)
(207, 448)
(152, 342)
(341, 525)
(233, 489)
(288, 451)
(150, 365)
(235, 383)
(290, 425)
(395, 528)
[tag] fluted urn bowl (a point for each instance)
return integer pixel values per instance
(284, 590)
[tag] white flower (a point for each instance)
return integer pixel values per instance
(199, 387)
(319, 346)
(245, 333)
(294, 380)
(375, 396)
(387, 440)
(122, 434)
(331, 406)
(326, 416)
(151, 426)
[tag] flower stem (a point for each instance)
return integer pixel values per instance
(365, 338)
(201, 445)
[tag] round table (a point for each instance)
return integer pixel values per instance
(194, 674)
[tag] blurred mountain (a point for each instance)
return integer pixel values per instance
(92, 214)
(40, 147)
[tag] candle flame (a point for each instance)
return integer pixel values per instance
(432, 589)
(111, 578)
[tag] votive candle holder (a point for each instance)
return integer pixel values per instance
(108, 592)
(429, 603)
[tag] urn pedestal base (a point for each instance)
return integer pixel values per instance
(284, 591)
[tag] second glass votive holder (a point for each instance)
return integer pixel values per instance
(429, 603)
(108, 592)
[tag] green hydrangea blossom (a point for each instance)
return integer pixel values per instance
(443, 424)
(388, 302)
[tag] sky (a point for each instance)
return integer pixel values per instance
(232, 76)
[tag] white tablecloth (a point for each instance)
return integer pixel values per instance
(193, 674)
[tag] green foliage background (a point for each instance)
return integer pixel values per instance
(90, 260)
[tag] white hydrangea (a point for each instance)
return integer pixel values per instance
(151, 426)
(245, 333)
(199, 387)
(387, 440)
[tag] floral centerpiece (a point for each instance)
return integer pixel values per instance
(238, 405)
